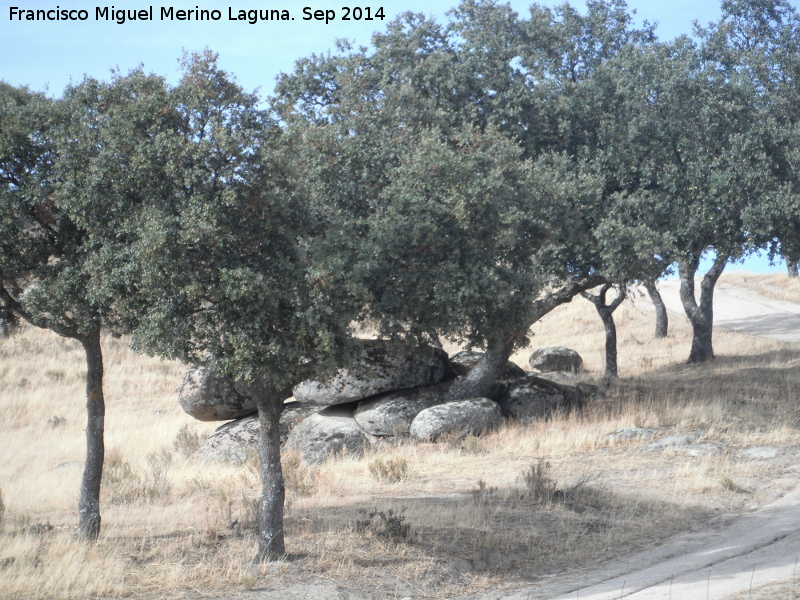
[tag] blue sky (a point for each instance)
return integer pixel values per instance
(44, 54)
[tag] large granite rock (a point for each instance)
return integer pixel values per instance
(293, 414)
(461, 417)
(210, 397)
(230, 443)
(376, 369)
(556, 358)
(327, 433)
(391, 414)
(532, 397)
(233, 442)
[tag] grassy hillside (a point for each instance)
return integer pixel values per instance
(448, 519)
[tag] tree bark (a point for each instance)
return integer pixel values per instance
(606, 312)
(89, 502)
(662, 321)
(271, 539)
(700, 315)
(792, 268)
(481, 379)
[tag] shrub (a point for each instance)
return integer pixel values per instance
(120, 483)
(187, 441)
(730, 485)
(390, 470)
(539, 484)
(124, 485)
(156, 485)
(56, 421)
(485, 494)
(387, 525)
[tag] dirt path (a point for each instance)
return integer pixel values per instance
(743, 310)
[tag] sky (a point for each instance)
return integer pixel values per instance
(47, 55)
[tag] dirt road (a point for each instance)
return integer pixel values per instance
(743, 310)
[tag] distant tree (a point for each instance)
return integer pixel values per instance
(792, 267)
(760, 40)
(606, 311)
(662, 320)
(687, 163)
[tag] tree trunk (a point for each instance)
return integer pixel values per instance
(701, 315)
(89, 503)
(606, 312)
(271, 544)
(792, 268)
(611, 344)
(662, 321)
(481, 379)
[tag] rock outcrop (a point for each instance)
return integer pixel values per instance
(329, 432)
(463, 362)
(392, 414)
(230, 443)
(532, 397)
(556, 358)
(472, 416)
(375, 370)
(382, 395)
(210, 397)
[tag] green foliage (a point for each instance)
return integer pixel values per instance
(454, 194)
(219, 241)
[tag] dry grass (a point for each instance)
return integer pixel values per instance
(774, 285)
(482, 513)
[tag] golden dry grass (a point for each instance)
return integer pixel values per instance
(772, 285)
(474, 521)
